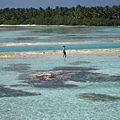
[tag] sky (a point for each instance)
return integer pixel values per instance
(54, 3)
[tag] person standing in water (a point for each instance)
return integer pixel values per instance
(64, 51)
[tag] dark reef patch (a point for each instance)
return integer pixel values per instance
(98, 97)
(74, 68)
(7, 92)
(57, 79)
(26, 38)
(79, 62)
(58, 76)
(17, 67)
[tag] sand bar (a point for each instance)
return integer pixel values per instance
(45, 43)
(47, 52)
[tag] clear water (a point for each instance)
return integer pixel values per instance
(90, 37)
(64, 101)
(59, 34)
(57, 47)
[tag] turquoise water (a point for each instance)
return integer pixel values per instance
(91, 92)
(61, 102)
(57, 47)
(90, 37)
(59, 34)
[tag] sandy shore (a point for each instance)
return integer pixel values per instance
(3, 25)
(27, 25)
(42, 43)
(81, 51)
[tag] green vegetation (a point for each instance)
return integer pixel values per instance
(79, 15)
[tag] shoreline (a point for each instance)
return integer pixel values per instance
(28, 25)
(48, 43)
(55, 52)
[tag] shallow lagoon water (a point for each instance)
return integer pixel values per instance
(57, 47)
(90, 37)
(92, 93)
(59, 34)
(61, 102)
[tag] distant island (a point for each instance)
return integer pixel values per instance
(79, 15)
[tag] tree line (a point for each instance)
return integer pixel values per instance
(79, 15)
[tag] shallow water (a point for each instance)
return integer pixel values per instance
(63, 101)
(59, 34)
(57, 47)
(91, 91)
(90, 37)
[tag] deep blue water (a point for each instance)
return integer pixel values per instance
(57, 47)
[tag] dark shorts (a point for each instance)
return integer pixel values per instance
(64, 53)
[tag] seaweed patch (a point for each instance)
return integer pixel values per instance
(60, 75)
(26, 38)
(79, 62)
(17, 67)
(98, 97)
(7, 92)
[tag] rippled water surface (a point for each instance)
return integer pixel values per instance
(89, 91)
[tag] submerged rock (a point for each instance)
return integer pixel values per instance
(51, 74)
(45, 76)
